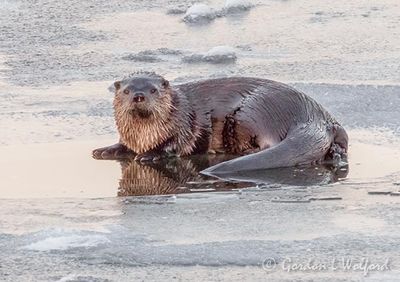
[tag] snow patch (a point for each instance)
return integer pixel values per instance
(202, 13)
(66, 242)
(199, 12)
(237, 5)
(221, 51)
(216, 55)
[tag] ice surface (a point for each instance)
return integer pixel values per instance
(6, 6)
(312, 51)
(230, 231)
(55, 68)
(66, 241)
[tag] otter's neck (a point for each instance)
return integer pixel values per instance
(170, 125)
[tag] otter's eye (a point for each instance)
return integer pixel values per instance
(126, 91)
(152, 91)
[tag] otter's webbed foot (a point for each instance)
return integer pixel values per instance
(155, 155)
(151, 156)
(336, 154)
(115, 151)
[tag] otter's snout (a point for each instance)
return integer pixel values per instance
(138, 97)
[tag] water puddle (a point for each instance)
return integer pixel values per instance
(52, 170)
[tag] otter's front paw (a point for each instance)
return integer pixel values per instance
(149, 157)
(115, 151)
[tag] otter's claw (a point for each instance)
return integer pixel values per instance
(148, 157)
(115, 151)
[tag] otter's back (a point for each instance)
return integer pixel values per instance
(250, 112)
(274, 101)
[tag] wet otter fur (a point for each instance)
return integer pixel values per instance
(270, 123)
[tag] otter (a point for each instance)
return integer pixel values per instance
(268, 123)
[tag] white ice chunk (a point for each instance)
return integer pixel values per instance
(222, 50)
(216, 55)
(234, 5)
(220, 54)
(199, 12)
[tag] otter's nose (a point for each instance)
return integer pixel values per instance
(138, 97)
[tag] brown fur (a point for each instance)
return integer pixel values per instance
(169, 124)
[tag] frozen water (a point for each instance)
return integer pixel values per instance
(292, 48)
(60, 217)
(65, 240)
(241, 230)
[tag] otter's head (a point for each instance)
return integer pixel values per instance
(142, 95)
(143, 107)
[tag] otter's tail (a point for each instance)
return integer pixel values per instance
(303, 145)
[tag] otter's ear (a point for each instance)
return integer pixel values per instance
(117, 85)
(165, 83)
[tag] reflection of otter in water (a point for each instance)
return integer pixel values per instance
(275, 124)
(298, 176)
(174, 176)
(155, 179)
(168, 176)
